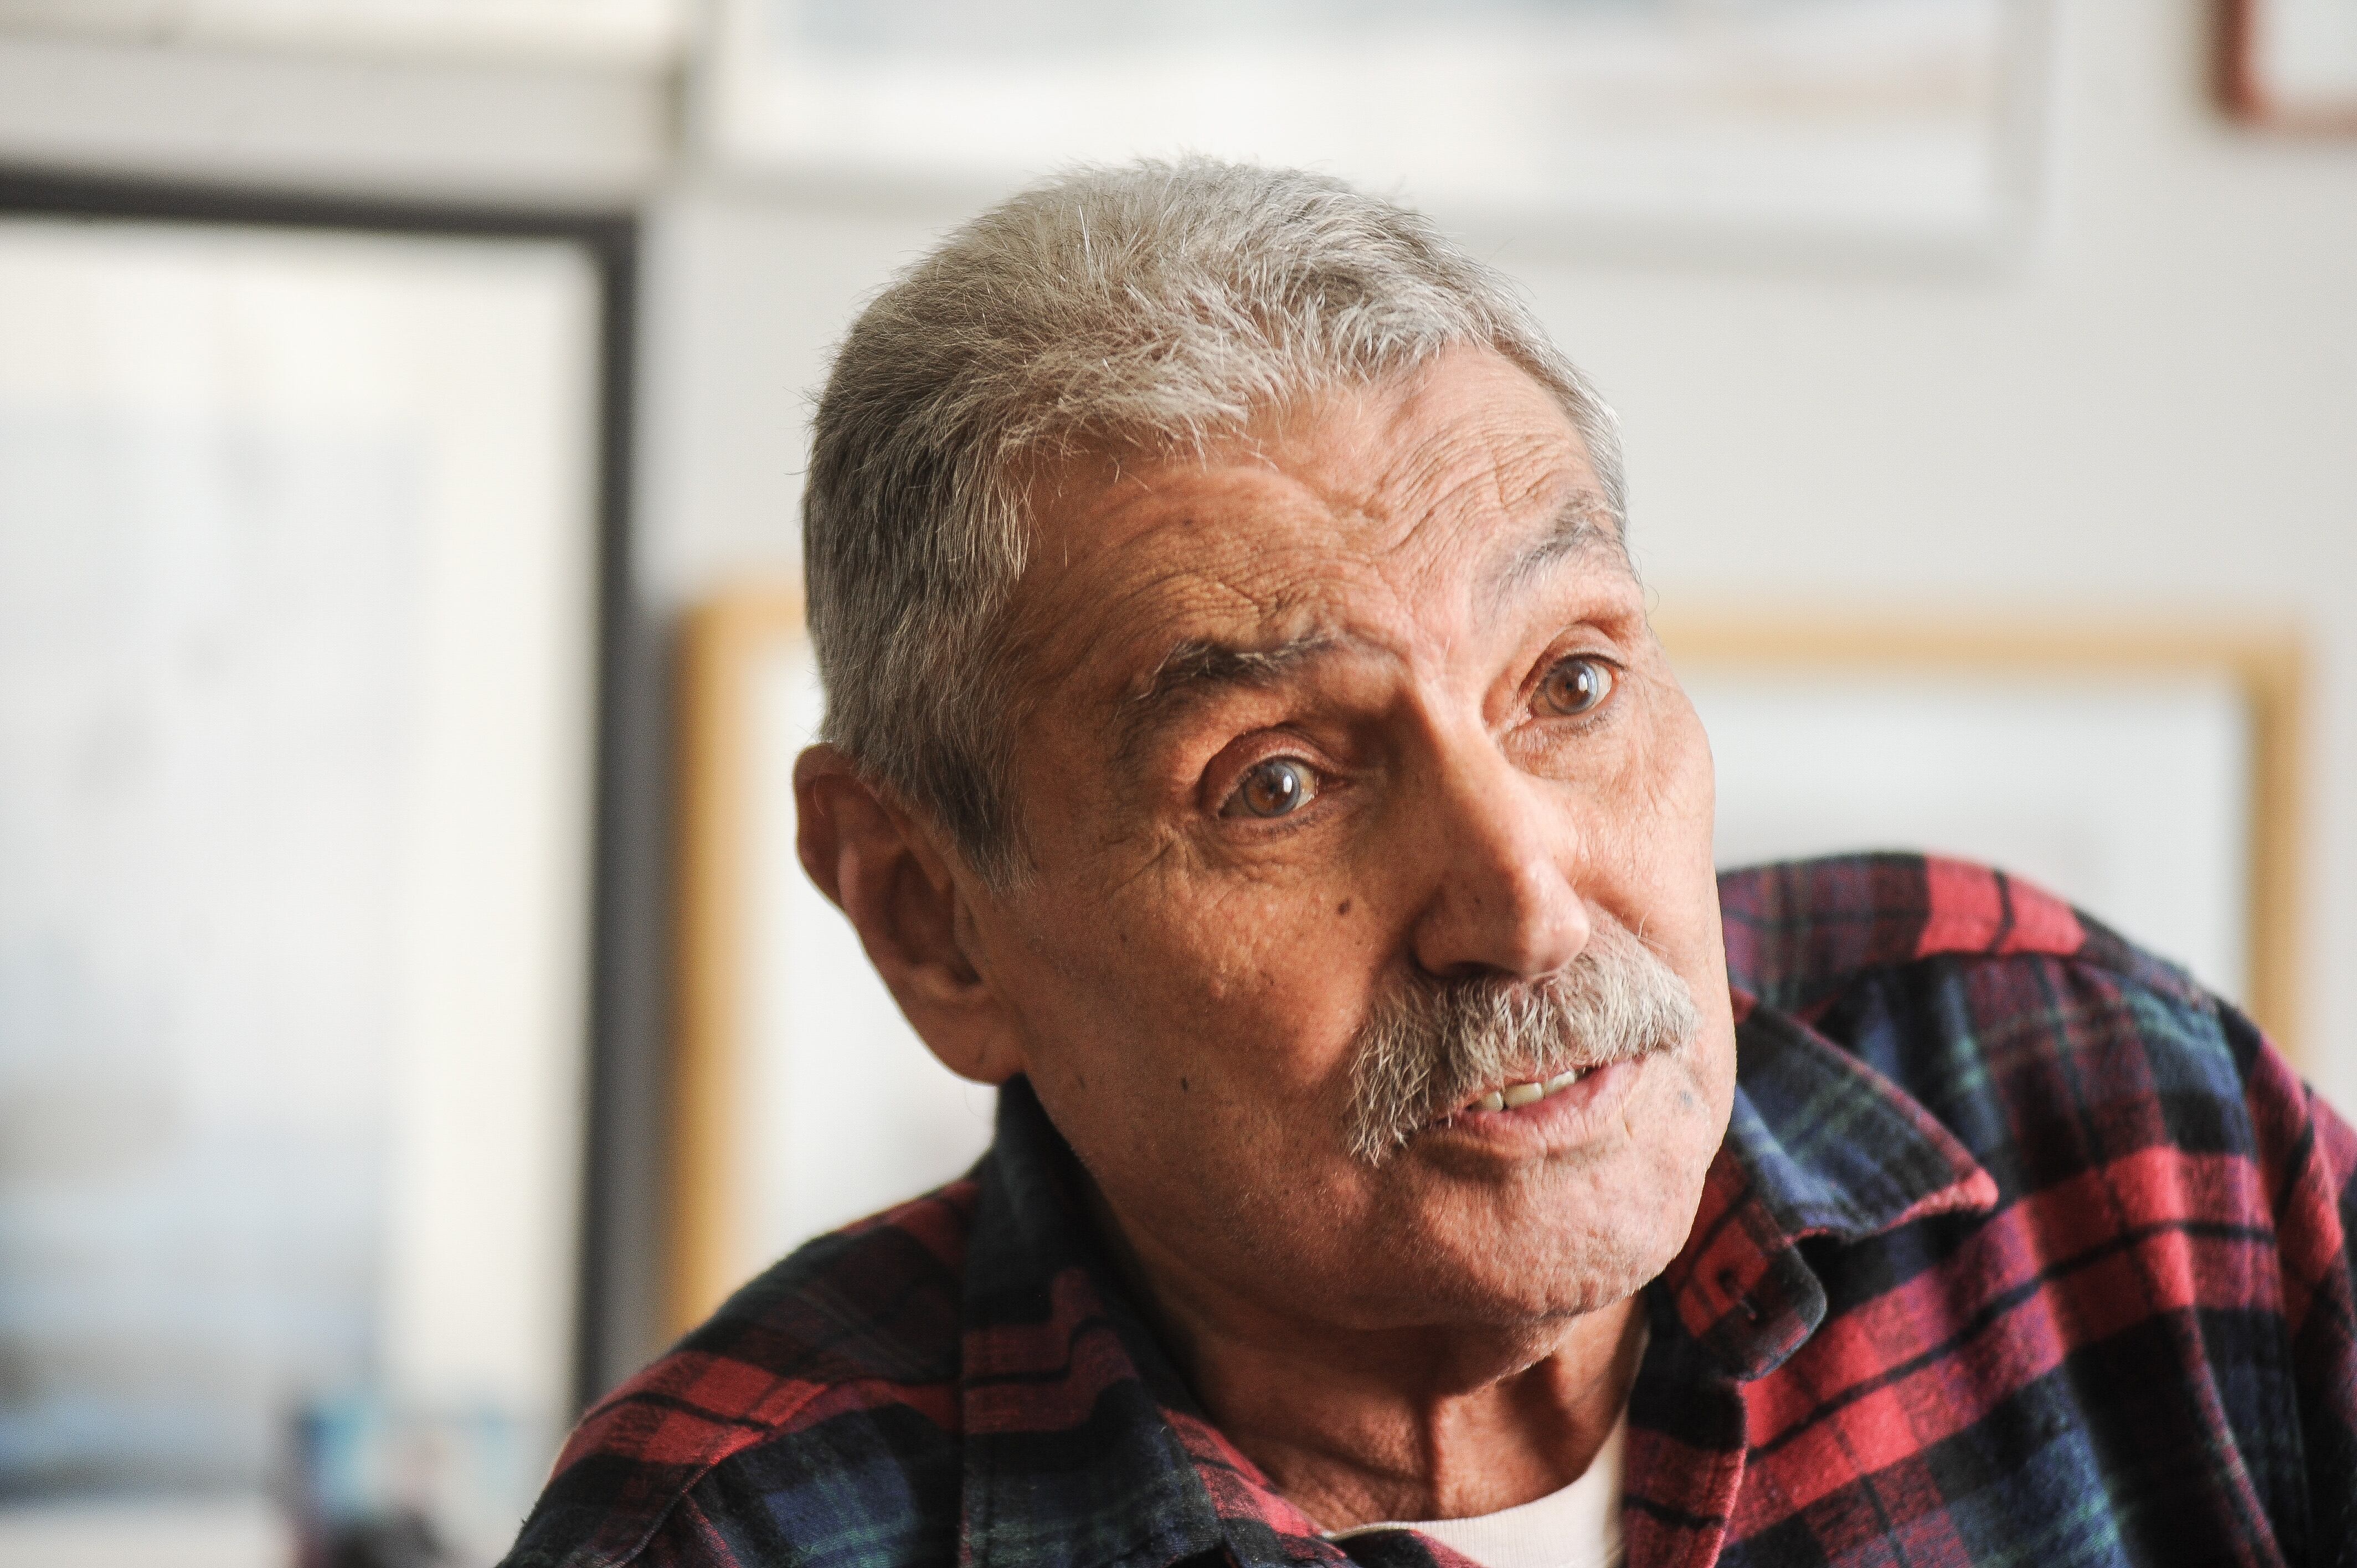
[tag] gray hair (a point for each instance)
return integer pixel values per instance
(1155, 306)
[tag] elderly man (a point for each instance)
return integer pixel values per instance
(1246, 747)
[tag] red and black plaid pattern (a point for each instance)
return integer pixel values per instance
(2021, 1249)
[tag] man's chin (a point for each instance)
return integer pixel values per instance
(1501, 1263)
(1510, 1295)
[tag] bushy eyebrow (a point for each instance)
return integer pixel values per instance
(1194, 667)
(1584, 524)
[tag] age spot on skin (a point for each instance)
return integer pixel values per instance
(1343, 907)
(1184, 1086)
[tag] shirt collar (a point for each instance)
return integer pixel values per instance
(1819, 1145)
(1084, 1444)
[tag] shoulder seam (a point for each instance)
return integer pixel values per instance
(1815, 923)
(1971, 911)
(2162, 977)
(2149, 972)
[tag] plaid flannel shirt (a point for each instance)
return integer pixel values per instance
(2021, 1249)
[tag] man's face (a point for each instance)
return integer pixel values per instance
(1359, 708)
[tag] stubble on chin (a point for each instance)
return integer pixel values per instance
(1560, 1238)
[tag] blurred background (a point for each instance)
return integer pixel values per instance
(411, 1015)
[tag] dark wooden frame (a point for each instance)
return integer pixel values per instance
(609, 239)
(2245, 94)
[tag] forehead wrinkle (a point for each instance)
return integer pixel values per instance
(1480, 477)
(1584, 526)
(1391, 499)
(1103, 625)
(1104, 604)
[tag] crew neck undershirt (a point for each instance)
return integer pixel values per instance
(1578, 1527)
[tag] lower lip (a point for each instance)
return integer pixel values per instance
(1570, 1115)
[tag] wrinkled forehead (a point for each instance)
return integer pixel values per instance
(1436, 502)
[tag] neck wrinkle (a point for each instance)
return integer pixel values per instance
(1355, 1429)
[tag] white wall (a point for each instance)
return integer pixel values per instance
(2156, 412)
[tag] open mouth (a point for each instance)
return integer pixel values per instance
(1514, 1096)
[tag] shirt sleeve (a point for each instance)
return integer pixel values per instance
(2309, 1157)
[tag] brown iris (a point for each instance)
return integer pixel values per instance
(1575, 686)
(1276, 788)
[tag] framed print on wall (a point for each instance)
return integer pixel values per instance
(559, 32)
(2147, 771)
(803, 1098)
(2291, 64)
(1906, 126)
(305, 518)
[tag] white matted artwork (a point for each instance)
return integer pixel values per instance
(297, 580)
(805, 1099)
(1914, 124)
(2144, 773)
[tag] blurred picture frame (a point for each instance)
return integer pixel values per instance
(2290, 65)
(315, 528)
(802, 1099)
(595, 33)
(2165, 795)
(1901, 129)
(2147, 769)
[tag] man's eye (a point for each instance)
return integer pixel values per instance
(1276, 788)
(1575, 686)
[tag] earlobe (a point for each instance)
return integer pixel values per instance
(909, 905)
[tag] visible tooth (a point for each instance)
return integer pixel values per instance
(1562, 1082)
(1491, 1103)
(1524, 1094)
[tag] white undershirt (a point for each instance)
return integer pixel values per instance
(1578, 1527)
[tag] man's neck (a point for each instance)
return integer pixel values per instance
(1385, 1429)
(1358, 1427)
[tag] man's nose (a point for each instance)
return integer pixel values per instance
(1500, 847)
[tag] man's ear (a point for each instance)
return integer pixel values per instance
(885, 873)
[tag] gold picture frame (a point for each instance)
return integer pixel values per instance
(721, 644)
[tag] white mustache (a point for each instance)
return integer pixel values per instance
(1430, 1046)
